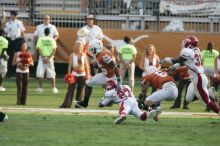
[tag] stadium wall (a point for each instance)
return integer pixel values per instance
(167, 43)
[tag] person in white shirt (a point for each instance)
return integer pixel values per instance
(14, 30)
(90, 32)
(39, 32)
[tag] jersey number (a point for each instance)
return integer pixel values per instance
(198, 61)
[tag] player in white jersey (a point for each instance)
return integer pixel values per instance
(127, 102)
(190, 57)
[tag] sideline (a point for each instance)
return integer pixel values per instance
(96, 112)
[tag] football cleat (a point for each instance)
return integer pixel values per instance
(80, 104)
(120, 119)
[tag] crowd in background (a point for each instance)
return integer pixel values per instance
(82, 63)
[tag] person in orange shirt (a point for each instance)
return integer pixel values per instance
(79, 68)
(109, 70)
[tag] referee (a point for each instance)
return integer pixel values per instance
(14, 30)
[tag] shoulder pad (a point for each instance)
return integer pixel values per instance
(185, 53)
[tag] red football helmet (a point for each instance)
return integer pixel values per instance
(109, 85)
(189, 42)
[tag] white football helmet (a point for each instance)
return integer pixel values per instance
(95, 46)
(150, 70)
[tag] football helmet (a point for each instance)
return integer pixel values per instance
(150, 70)
(95, 46)
(189, 42)
(109, 85)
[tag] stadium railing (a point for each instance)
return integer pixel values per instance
(148, 15)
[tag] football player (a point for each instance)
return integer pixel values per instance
(190, 57)
(127, 102)
(108, 67)
(163, 82)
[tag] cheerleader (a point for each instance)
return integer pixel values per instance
(22, 60)
(78, 72)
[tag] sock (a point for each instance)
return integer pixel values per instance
(213, 106)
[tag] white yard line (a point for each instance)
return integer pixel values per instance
(96, 112)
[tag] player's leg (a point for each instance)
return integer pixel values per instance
(201, 83)
(124, 110)
(137, 112)
(190, 94)
(98, 79)
(166, 93)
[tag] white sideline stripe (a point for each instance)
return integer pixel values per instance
(93, 111)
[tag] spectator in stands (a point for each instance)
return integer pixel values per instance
(3, 58)
(126, 6)
(47, 48)
(22, 4)
(127, 55)
(79, 68)
(90, 32)
(15, 32)
(22, 60)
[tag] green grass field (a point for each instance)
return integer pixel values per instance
(25, 129)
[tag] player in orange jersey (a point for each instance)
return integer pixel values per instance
(164, 83)
(108, 67)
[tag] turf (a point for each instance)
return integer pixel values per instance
(47, 99)
(75, 130)
(90, 130)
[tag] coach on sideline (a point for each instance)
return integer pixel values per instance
(47, 48)
(14, 30)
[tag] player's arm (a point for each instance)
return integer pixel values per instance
(108, 59)
(116, 70)
(178, 60)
